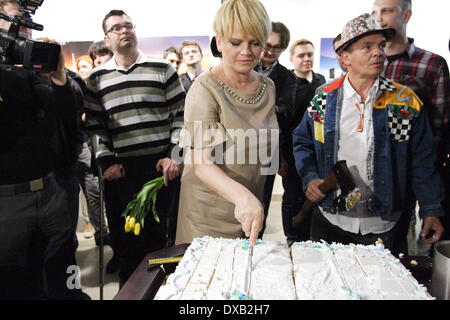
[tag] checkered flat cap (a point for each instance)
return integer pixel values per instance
(360, 27)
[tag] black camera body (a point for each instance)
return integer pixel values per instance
(18, 50)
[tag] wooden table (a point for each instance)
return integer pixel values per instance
(144, 283)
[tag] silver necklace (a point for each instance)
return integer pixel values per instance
(247, 101)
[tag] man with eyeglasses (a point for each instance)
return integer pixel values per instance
(284, 97)
(134, 114)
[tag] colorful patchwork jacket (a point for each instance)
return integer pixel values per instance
(404, 156)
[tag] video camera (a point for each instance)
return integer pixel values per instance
(18, 50)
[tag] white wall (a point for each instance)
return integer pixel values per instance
(78, 20)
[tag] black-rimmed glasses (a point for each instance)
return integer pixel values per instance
(119, 28)
(269, 47)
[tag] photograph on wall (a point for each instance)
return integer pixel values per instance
(329, 66)
(153, 46)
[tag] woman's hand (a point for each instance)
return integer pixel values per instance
(248, 209)
(250, 213)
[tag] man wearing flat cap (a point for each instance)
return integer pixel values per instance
(379, 128)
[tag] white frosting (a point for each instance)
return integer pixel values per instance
(221, 284)
(316, 277)
(216, 268)
(352, 272)
(178, 280)
(272, 273)
(197, 287)
(240, 265)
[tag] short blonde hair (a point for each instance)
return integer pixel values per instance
(248, 15)
(299, 43)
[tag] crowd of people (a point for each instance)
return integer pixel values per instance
(219, 137)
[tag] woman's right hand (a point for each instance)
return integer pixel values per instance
(249, 211)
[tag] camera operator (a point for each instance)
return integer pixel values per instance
(34, 223)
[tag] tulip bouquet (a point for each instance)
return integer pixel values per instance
(141, 205)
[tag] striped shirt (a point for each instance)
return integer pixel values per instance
(428, 75)
(134, 112)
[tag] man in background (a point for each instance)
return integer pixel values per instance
(172, 55)
(424, 72)
(134, 127)
(284, 96)
(191, 55)
(307, 81)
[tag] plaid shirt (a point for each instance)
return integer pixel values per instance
(427, 74)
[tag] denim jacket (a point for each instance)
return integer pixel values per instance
(404, 155)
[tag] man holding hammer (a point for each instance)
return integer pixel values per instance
(379, 128)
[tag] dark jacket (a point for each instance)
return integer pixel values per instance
(64, 135)
(284, 99)
(25, 154)
(304, 92)
(285, 86)
(186, 81)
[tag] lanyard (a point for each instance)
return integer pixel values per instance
(361, 117)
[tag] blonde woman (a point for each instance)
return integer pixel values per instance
(220, 195)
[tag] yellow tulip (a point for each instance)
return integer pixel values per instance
(137, 229)
(127, 219)
(132, 222)
(127, 227)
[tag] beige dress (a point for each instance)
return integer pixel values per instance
(212, 118)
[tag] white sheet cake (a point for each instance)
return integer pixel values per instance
(324, 271)
(214, 269)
